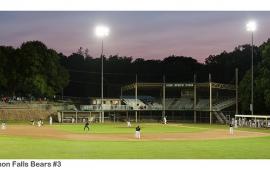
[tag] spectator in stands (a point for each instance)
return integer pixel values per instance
(138, 132)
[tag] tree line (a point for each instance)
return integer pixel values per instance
(31, 70)
(34, 69)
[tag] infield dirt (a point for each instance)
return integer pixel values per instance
(53, 133)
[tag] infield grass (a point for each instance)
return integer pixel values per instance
(108, 128)
(14, 147)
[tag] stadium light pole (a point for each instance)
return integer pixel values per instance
(251, 27)
(102, 32)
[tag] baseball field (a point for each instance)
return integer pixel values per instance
(117, 141)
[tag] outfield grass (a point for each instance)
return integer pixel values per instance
(28, 148)
(35, 148)
(122, 128)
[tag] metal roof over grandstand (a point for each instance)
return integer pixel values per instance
(179, 85)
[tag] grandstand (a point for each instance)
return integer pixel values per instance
(193, 102)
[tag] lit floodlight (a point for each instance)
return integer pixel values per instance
(251, 26)
(102, 31)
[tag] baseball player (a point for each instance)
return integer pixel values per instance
(164, 120)
(138, 132)
(235, 123)
(50, 120)
(128, 123)
(86, 126)
(3, 125)
(39, 123)
(32, 122)
(231, 129)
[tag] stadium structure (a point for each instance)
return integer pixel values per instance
(141, 101)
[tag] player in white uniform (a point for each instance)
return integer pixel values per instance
(165, 120)
(235, 123)
(231, 129)
(128, 123)
(50, 120)
(3, 125)
(33, 122)
(39, 123)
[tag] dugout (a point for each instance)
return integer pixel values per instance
(72, 116)
(253, 120)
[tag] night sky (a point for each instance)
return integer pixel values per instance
(149, 35)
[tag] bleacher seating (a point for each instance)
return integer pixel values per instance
(135, 104)
(183, 103)
(154, 106)
(178, 103)
(202, 104)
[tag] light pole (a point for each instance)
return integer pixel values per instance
(102, 32)
(251, 27)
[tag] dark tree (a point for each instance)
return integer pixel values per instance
(261, 84)
(32, 69)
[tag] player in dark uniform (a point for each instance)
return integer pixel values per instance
(86, 126)
(138, 132)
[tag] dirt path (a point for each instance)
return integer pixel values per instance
(52, 133)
